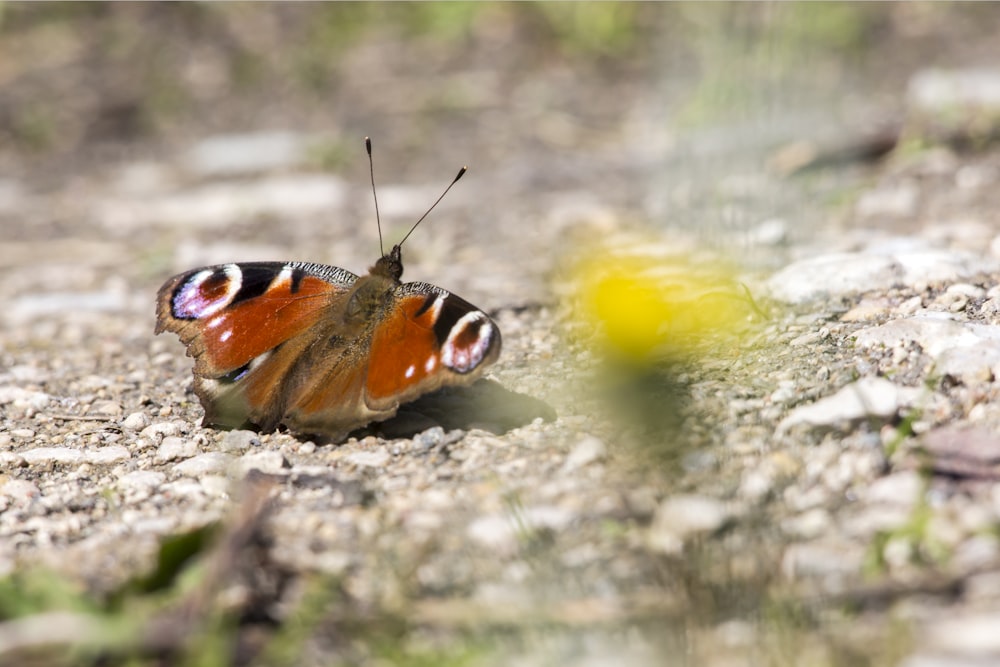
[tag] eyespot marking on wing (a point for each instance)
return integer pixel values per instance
(206, 292)
(468, 342)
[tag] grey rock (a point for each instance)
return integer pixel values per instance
(107, 455)
(237, 442)
(173, 448)
(41, 455)
(944, 92)
(586, 451)
(209, 463)
(21, 491)
(136, 421)
(680, 517)
(504, 533)
(808, 525)
(903, 488)
(159, 430)
(110, 408)
(269, 462)
(378, 458)
(840, 274)
(935, 333)
(868, 397)
(20, 397)
(966, 634)
(832, 275)
(145, 480)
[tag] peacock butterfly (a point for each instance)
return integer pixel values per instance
(317, 348)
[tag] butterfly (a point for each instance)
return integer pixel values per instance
(316, 348)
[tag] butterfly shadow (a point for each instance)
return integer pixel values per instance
(484, 405)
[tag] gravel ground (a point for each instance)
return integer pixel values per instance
(817, 486)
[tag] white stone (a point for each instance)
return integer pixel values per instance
(808, 525)
(52, 455)
(369, 459)
(20, 490)
(25, 397)
(208, 463)
(238, 441)
(136, 421)
(943, 91)
(969, 633)
(173, 448)
(160, 429)
(902, 489)
(755, 485)
(977, 364)
(503, 532)
(141, 480)
(679, 517)
(494, 532)
(269, 462)
(840, 274)
(934, 333)
(868, 397)
(109, 454)
(938, 266)
(588, 450)
(832, 275)
(216, 485)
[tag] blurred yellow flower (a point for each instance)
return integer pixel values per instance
(645, 303)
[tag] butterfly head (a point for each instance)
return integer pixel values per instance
(390, 265)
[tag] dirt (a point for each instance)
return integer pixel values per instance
(572, 508)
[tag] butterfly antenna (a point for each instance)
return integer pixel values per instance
(371, 171)
(461, 172)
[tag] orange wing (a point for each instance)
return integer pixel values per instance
(229, 315)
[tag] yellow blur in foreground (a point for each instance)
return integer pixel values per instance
(646, 304)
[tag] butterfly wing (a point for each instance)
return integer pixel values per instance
(424, 338)
(239, 322)
(429, 339)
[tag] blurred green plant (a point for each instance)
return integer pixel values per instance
(34, 126)
(749, 55)
(594, 28)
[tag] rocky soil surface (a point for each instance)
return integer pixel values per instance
(821, 486)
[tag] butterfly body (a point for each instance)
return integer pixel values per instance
(316, 348)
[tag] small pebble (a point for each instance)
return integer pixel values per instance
(173, 448)
(268, 461)
(209, 463)
(52, 455)
(135, 421)
(588, 450)
(239, 441)
(106, 455)
(369, 459)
